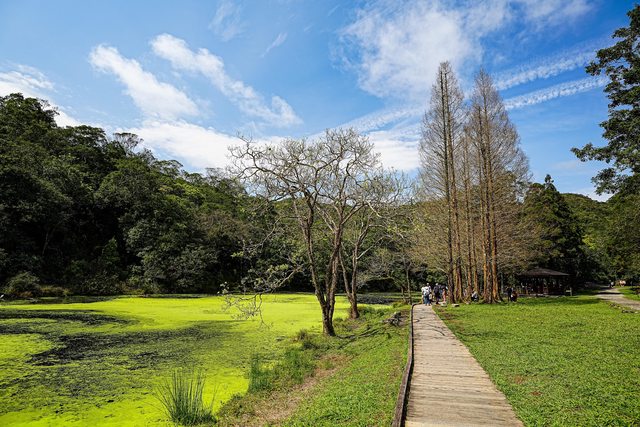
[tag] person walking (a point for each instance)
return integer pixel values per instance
(475, 297)
(428, 294)
(425, 295)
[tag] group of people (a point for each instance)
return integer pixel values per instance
(437, 293)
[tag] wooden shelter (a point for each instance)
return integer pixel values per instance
(543, 281)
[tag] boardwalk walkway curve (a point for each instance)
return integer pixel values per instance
(446, 385)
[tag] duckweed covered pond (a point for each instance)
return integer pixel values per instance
(98, 363)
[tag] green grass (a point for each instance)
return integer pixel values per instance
(182, 398)
(363, 390)
(98, 363)
(630, 292)
(560, 361)
(355, 381)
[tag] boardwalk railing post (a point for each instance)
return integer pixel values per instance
(401, 403)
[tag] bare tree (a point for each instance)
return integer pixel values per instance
(322, 185)
(474, 177)
(378, 212)
(442, 133)
(502, 175)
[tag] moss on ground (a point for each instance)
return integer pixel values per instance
(98, 363)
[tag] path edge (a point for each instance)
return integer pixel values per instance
(401, 402)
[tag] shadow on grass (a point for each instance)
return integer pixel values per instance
(579, 300)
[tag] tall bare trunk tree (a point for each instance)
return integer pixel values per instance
(474, 176)
(502, 176)
(442, 132)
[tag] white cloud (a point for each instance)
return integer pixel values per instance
(544, 68)
(591, 193)
(176, 50)
(571, 165)
(33, 83)
(398, 147)
(226, 22)
(382, 118)
(556, 91)
(553, 11)
(192, 145)
(25, 79)
(396, 46)
(276, 42)
(156, 99)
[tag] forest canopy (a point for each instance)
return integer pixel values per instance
(89, 213)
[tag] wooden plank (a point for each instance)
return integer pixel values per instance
(447, 386)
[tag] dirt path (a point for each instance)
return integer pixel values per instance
(614, 295)
(448, 386)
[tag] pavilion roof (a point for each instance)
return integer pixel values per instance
(543, 272)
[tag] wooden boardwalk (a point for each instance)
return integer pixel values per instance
(448, 387)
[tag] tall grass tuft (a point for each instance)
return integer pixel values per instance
(294, 366)
(182, 398)
(260, 377)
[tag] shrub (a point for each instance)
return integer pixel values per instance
(138, 285)
(23, 285)
(371, 312)
(182, 398)
(54, 291)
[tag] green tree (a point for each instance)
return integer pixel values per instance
(623, 236)
(556, 234)
(92, 212)
(621, 63)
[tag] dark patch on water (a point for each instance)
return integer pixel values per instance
(82, 346)
(91, 365)
(177, 296)
(87, 317)
(375, 299)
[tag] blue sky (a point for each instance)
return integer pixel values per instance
(189, 76)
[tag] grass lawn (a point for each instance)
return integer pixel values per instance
(571, 361)
(98, 363)
(362, 392)
(355, 383)
(630, 292)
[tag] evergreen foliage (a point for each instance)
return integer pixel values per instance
(559, 237)
(621, 63)
(101, 216)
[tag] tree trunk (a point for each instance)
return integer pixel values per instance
(350, 290)
(408, 281)
(327, 322)
(447, 187)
